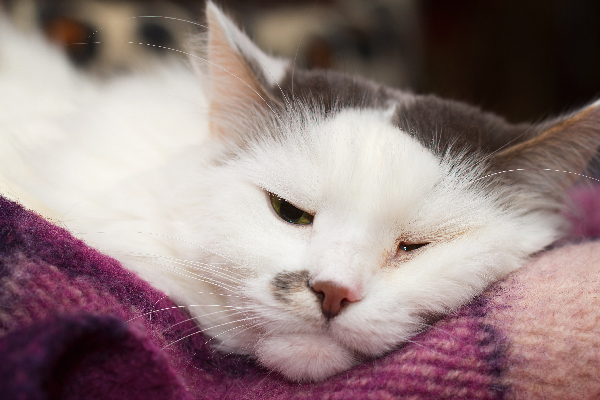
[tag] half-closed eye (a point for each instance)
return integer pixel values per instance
(404, 247)
(290, 213)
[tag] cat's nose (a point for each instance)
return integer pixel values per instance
(333, 297)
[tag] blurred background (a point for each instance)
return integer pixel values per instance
(524, 59)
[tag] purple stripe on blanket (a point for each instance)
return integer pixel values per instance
(75, 324)
(84, 356)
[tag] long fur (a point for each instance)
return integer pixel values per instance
(171, 174)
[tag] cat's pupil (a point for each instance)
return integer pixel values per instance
(289, 212)
(406, 247)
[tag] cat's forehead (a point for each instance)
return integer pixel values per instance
(438, 124)
(365, 159)
(352, 162)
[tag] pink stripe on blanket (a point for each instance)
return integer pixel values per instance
(550, 311)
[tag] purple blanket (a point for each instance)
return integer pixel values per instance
(74, 324)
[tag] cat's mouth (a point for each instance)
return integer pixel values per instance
(311, 333)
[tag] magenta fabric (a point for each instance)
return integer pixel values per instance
(74, 324)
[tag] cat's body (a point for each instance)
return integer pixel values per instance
(418, 203)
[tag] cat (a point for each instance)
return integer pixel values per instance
(307, 218)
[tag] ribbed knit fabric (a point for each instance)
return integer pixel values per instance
(550, 311)
(75, 325)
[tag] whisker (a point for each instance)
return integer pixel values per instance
(193, 244)
(524, 133)
(176, 307)
(156, 303)
(190, 54)
(147, 16)
(201, 331)
(287, 101)
(249, 326)
(218, 66)
(536, 170)
(235, 309)
(197, 265)
(204, 267)
(171, 18)
(208, 280)
(193, 319)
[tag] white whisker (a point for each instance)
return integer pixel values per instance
(188, 54)
(201, 331)
(193, 319)
(193, 276)
(536, 170)
(193, 244)
(217, 272)
(214, 65)
(177, 307)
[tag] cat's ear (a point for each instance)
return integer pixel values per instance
(555, 155)
(239, 76)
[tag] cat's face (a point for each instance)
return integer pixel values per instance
(397, 235)
(342, 216)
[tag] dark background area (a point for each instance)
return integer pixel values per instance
(524, 59)
(521, 58)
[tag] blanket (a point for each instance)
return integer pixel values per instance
(74, 324)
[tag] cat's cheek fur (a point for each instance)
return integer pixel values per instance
(304, 357)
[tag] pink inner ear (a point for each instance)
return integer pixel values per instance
(233, 85)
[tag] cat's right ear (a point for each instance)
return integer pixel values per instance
(238, 75)
(555, 155)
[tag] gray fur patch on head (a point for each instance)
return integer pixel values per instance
(333, 90)
(440, 125)
(446, 125)
(285, 284)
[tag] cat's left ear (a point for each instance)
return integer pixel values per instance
(555, 154)
(239, 75)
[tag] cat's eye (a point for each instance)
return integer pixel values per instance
(404, 247)
(290, 213)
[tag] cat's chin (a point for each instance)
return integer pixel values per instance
(304, 357)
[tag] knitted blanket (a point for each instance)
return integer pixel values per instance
(74, 324)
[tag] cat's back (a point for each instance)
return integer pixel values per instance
(64, 133)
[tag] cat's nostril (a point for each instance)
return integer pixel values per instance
(332, 297)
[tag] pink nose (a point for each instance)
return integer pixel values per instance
(333, 297)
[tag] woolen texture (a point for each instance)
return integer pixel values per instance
(74, 324)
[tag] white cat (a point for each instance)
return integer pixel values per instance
(308, 218)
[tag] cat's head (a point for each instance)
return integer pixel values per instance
(346, 215)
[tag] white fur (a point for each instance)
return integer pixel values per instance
(128, 165)
(368, 185)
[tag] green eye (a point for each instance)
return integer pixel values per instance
(290, 213)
